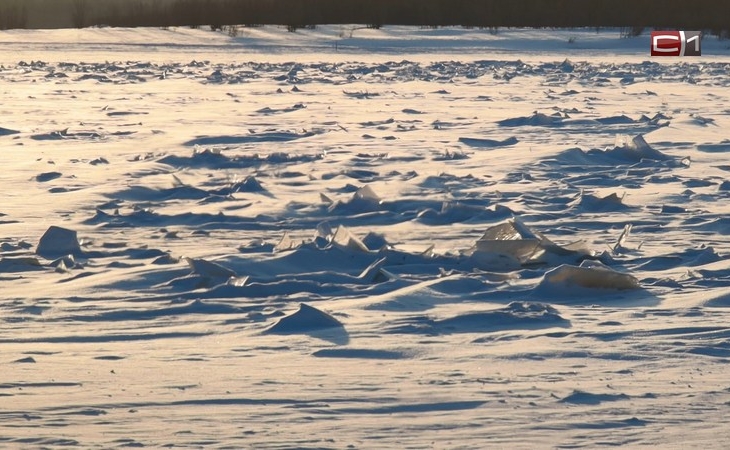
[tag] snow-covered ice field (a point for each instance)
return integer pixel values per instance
(396, 238)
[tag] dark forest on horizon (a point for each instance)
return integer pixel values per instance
(710, 15)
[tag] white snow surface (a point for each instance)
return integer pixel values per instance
(354, 238)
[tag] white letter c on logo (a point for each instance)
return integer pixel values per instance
(655, 43)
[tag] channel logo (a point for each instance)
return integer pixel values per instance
(676, 43)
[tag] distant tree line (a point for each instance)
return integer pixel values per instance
(13, 14)
(671, 14)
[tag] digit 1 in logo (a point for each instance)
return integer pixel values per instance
(676, 43)
(691, 43)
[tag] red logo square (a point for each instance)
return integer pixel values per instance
(666, 43)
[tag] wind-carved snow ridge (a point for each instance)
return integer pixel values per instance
(514, 316)
(565, 123)
(337, 262)
(582, 73)
(627, 150)
(7, 131)
(262, 137)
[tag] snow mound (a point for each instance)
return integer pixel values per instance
(635, 149)
(58, 241)
(307, 319)
(589, 275)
